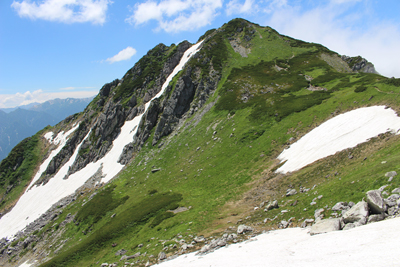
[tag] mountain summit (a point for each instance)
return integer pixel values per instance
(185, 148)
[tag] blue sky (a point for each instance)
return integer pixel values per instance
(70, 48)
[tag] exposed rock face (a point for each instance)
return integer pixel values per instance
(375, 201)
(359, 64)
(324, 226)
(112, 114)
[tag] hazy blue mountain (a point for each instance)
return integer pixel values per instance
(24, 121)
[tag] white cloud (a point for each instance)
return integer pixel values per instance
(67, 11)
(176, 15)
(124, 54)
(74, 88)
(234, 7)
(343, 33)
(344, 1)
(39, 96)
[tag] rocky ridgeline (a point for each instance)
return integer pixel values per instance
(359, 64)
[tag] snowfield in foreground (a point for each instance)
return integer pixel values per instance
(37, 200)
(343, 131)
(375, 244)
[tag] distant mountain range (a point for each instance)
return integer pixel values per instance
(18, 123)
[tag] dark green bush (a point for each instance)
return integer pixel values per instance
(360, 89)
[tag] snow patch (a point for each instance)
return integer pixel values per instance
(375, 244)
(343, 131)
(49, 136)
(25, 264)
(60, 140)
(37, 200)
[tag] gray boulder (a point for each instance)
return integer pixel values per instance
(162, 256)
(375, 201)
(349, 226)
(291, 192)
(376, 218)
(391, 174)
(283, 224)
(318, 214)
(272, 205)
(393, 197)
(340, 206)
(307, 222)
(396, 191)
(324, 226)
(244, 228)
(120, 252)
(393, 211)
(199, 239)
(358, 213)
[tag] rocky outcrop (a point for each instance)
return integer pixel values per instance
(359, 64)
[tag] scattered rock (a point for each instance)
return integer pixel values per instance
(340, 206)
(244, 228)
(283, 224)
(272, 205)
(396, 191)
(120, 252)
(291, 192)
(199, 239)
(162, 256)
(318, 214)
(393, 211)
(391, 174)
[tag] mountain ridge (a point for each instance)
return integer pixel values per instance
(21, 122)
(208, 145)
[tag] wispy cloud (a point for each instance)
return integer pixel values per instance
(39, 96)
(66, 11)
(235, 7)
(124, 54)
(176, 15)
(75, 88)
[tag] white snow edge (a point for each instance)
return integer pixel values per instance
(341, 132)
(375, 244)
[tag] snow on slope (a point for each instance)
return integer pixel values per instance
(375, 244)
(343, 131)
(36, 201)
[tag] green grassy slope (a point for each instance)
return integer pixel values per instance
(221, 167)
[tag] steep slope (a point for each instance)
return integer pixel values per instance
(195, 151)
